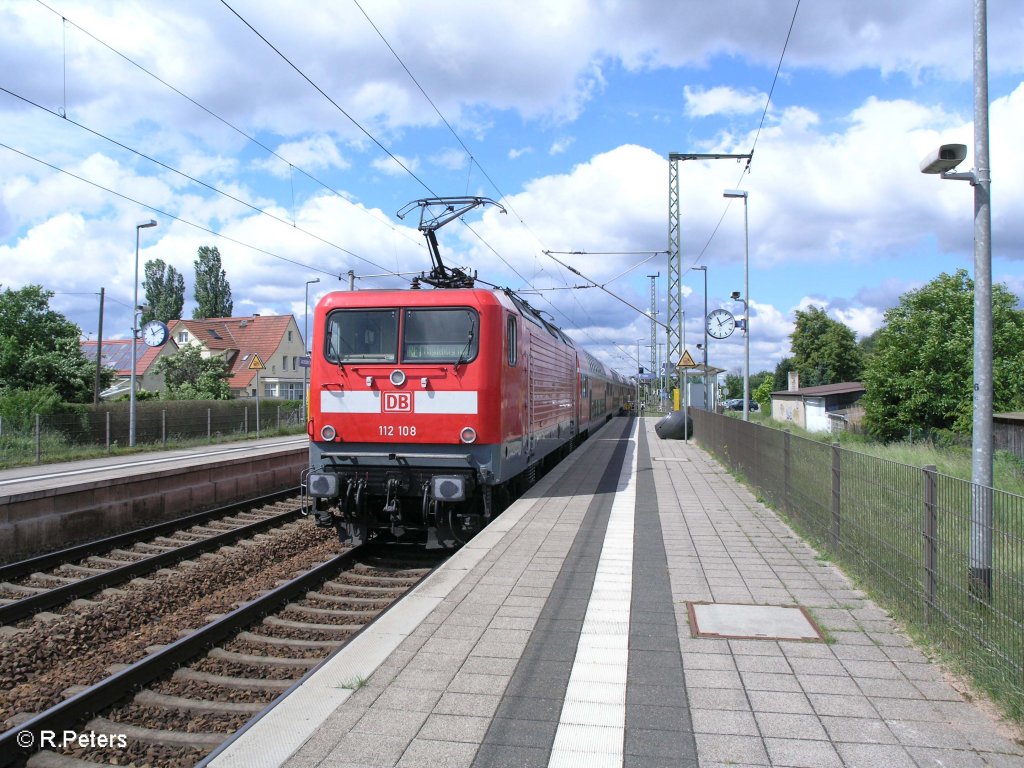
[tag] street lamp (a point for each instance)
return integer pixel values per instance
(135, 332)
(705, 346)
(943, 161)
(305, 347)
(746, 300)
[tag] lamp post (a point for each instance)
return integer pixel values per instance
(135, 332)
(746, 300)
(704, 269)
(943, 161)
(306, 347)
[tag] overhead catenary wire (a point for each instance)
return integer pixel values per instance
(65, 21)
(169, 215)
(240, 201)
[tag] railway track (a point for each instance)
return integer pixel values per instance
(183, 699)
(48, 581)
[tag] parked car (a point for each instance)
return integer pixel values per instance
(736, 404)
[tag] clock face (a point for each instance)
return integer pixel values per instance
(154, 333)
(721, 323)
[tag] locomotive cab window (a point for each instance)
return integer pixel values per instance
(361, 335)
(440, 335)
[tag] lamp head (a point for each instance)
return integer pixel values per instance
(944, 159)
(735, 295)
(735, 193)
(146, 224)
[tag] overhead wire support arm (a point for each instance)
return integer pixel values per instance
(431, 220)
(575, 271)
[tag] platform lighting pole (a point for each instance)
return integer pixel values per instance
(705, 347)
(305, 348)
(746, 300)
(135, 332)
(638, 374)
(980, 573)
(654, 322)
(981, 429)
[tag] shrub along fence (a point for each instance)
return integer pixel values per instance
(905, 534)
(157, 422)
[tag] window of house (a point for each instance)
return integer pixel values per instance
(182, 337)
(289, 335)
(284, 362)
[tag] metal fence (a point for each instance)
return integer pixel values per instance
(38, 438)
(905, 534)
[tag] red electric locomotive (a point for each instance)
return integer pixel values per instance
(431, 409)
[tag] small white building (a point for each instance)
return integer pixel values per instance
(827, 408)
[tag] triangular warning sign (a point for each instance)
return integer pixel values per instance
(686, 361)
(256, 364)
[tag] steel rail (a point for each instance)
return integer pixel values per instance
(23, 568)
(81, 707)
(90, 585)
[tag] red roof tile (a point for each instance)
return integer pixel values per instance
(260, 334)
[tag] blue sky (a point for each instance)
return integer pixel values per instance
(568, 110)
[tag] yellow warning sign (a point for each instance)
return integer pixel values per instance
(686, 361)
(256, 364)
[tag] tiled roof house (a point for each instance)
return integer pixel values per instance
(275, 338)
(117, 354)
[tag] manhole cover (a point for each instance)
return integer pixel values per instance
(752, 622)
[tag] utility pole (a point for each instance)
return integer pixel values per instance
(654, 322)
(99, 355)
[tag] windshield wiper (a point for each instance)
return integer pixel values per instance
(465, 350)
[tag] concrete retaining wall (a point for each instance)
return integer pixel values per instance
(44, 520)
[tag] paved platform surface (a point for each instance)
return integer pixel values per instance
(562, 636)
(41, 477)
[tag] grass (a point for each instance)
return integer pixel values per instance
(880, 544)
(955, 461)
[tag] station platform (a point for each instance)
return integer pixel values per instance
(638, 607)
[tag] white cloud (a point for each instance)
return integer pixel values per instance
(312, 154)
(722, 100)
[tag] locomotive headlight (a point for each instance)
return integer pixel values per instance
(468, 435)
(448, 488)
(323, 485)
(328, 433)
(397, 377)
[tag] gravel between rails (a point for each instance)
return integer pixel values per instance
(80, 645)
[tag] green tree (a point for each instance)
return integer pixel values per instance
(734, 383)
(212, 290)
(780, 379)
(39, 347)
(190, 376)
(763, 394)
(824, 350)
(165, 292)
(921, 373)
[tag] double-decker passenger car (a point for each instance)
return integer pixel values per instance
(431, 409)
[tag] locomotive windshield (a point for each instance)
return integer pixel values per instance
(439, 335)
(362, 335)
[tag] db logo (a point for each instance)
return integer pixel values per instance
(398, 402)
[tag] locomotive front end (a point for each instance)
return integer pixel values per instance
(403, 414)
